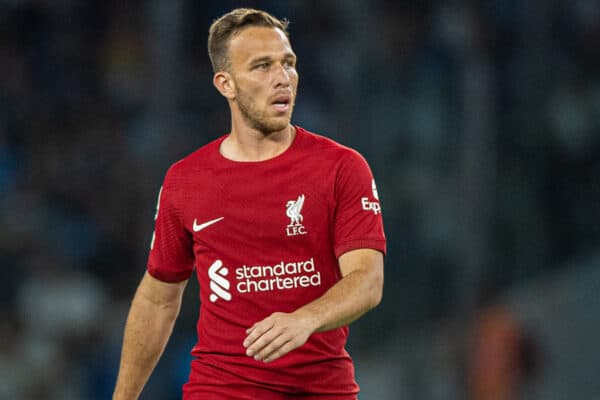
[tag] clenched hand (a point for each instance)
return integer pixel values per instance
(277, 335)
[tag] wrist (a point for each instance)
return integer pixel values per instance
(123, 395)
(310, 318)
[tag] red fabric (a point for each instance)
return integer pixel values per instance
(263, 256)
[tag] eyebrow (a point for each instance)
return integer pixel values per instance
(260, 59)
(269, 58)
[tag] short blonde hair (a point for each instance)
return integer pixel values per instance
(223, 29)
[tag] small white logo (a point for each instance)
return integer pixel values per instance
(374, 188)
(293, 209)
(218, 283)
(198, 228)
(371, 205)
(155, 217)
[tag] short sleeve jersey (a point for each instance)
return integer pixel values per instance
(265, 237)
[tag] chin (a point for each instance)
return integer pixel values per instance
(275, 124)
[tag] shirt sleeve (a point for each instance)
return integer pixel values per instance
(358, 221)
(171, 257)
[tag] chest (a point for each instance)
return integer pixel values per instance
(252, 211)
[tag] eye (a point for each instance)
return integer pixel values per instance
(289, 63)
(263, 65)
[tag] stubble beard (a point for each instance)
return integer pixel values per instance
(258, 119)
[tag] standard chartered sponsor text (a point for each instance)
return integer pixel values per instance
(281, 276)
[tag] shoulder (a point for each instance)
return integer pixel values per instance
(327, 148)
(202, 159)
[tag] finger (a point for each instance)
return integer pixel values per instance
(281, 351)
(256, 331)
(263, 341)
(249, 330)
(268, 320)
(272, 347)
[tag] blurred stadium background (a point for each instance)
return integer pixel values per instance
(481, 121)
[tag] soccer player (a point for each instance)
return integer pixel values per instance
(283, 228)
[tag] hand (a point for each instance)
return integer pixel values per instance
(276, 335)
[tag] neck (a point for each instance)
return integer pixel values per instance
(252, 145)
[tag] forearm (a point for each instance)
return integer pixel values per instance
(356, 293)
(344, 302)
(147, 331)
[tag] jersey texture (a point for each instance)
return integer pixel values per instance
(265, 237)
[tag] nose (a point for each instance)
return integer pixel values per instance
(281, 76)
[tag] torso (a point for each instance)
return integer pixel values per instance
(256, 251)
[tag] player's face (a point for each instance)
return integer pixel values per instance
(263, 68)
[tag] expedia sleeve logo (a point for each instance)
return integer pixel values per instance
(155, 218)
(262, 278)
(369, 205)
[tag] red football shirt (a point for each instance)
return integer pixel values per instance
(265, 237)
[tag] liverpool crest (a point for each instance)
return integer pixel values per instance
(294, 213)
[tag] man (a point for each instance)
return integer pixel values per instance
(283, 228)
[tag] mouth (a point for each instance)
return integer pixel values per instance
(281, 103)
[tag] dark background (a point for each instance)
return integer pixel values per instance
(481, 122)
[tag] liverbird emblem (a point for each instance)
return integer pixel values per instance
(293, 211)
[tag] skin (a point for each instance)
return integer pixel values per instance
(150, 322)
(262, 71)
(263, 67)
(358, 291)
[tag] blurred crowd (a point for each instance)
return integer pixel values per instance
(480, 120)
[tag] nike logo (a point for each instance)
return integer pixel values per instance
(198, 228)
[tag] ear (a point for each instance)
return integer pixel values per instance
(224, 84)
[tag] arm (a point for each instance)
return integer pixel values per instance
(359, 290)
(149, 325)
